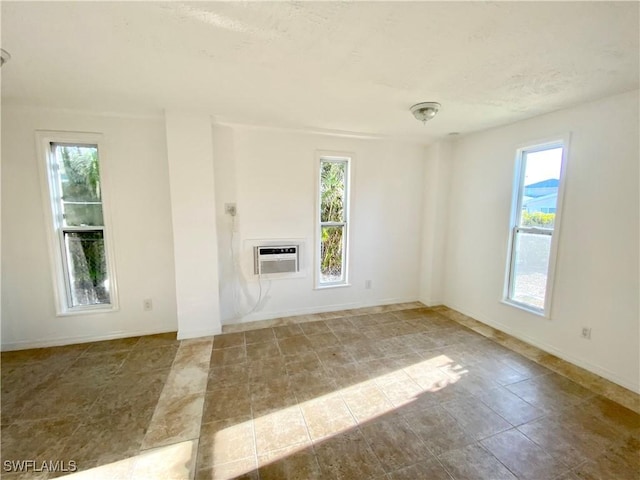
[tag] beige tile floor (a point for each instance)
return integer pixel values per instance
(395, 392)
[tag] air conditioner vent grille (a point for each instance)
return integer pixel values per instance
(276, 259)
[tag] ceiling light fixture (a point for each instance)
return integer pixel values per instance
(425, 111)
(4, 56)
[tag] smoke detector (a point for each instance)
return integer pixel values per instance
(425, 111)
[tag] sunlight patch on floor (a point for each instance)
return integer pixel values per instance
(289, 430)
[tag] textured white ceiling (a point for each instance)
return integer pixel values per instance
(354, 67)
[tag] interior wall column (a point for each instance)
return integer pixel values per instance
(191, 179)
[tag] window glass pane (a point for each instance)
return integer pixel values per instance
(76, 214)
(540, 192)
(79, 176)
(332, 191)
(87, 268)
(530, 267)
(331, 254)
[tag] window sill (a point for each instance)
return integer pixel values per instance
(87, 311)
(327, 287)
(526, 308)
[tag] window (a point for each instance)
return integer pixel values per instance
(333, 222)
(534, 226)
(83, 272)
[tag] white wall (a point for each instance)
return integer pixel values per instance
(270, 174)
(136, 159)
(598, 258)
(190, 155)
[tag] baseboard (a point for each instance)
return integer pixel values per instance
(319, 309)
(58, 342)
(183, 335)
(598, 370)
(431, 303)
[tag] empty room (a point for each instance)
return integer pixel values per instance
(320, 240)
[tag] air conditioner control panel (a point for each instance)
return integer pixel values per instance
(277, 250)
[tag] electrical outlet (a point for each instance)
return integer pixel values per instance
(147, 304)
(230, 208)
(367, 284)
(586, 333)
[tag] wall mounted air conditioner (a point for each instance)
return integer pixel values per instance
(276, 259)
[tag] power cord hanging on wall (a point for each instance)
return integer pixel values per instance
(237, 274)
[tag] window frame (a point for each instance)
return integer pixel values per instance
(334, 157)
(517, 195)
(56, 230)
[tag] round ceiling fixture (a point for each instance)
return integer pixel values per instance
(4, 56)
(425, 111)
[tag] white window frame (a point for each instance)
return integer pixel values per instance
(53, 215)
(338, 157)
(516, 208)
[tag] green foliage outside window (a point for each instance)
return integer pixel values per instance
(538, 219)
(81, 185)
(88, 267)
(82, 207)
(332, 203)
